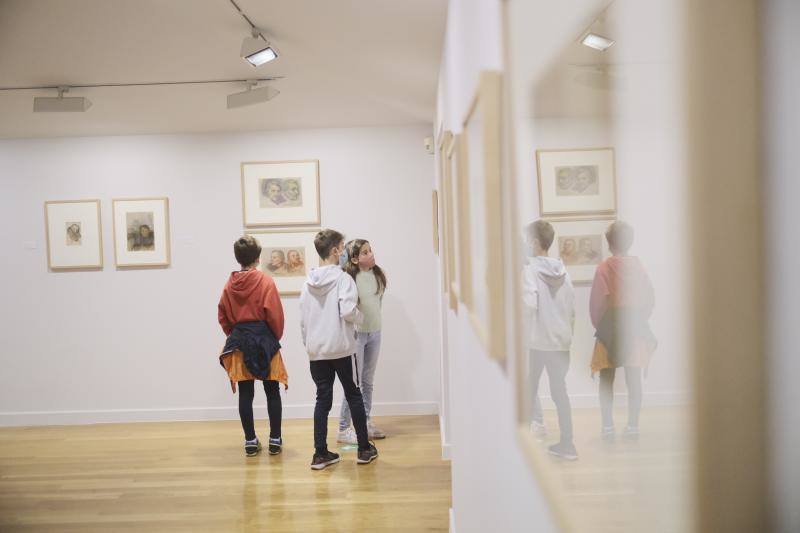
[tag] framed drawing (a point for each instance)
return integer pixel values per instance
(280, 193)
(444, 140)
(450, 217)
(482, 171)
(74, 235)
(462, 199)
(435, 206)
(141, 232)
(577, 182)
(288, 256)
(582, 245)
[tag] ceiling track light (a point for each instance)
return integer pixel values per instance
(256, 50)
(59, 104)
(598, 42)
(252, 95)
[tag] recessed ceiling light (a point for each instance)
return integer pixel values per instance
(252, 95)
(59, 104)
(598, 42)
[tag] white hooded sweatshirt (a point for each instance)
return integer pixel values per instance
(550, 301)
(329, 313)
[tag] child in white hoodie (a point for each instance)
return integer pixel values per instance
(328, 315)
(550, 300)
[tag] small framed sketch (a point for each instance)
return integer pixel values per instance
(582, 245)
(280, 193)
(288, 256)
(482, 180)
(577, 182)
(74, 235)
(141, 232)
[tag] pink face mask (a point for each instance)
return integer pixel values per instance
(368, 261)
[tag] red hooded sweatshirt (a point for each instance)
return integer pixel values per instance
(620, 282)
(248, 296)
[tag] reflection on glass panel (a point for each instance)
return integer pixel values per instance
(599, 141)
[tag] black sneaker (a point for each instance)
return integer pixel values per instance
(564, 450)
(321, 460)
(275, 446)
(367, 456)
(252, 448)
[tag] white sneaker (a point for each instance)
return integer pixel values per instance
(608, 434)
(631, 433)
(348, 436)
(538, 429)
(374, 431)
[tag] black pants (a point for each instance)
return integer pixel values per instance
(633, 380)
(323, 374)
(274, 408)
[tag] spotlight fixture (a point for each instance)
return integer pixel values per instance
(256, 50)
(253, 95)
(49, 104)
(598, 42)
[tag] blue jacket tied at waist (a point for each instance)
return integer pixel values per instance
(257, 343)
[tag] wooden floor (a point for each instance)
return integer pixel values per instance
(627, 486)
(193, 476)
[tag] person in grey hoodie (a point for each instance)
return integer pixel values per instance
(550, 302)
(328, 315)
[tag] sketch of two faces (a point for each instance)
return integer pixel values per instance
(581, 249)
(577, 180)
(285, 261)
(280, 192)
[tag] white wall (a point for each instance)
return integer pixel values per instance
(122, 345)
(782, 114)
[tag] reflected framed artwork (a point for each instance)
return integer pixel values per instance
(482, 170)
(576, 182)
(581, 245)
(74, 234)
(287, 256)
(141, 232)
(280, 193)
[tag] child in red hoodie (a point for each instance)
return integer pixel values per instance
(251, 315)
(620, 305)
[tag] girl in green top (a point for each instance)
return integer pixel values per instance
(371, 283)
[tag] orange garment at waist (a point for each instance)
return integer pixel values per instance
(237, 371)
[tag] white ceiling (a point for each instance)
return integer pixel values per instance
(346, 63)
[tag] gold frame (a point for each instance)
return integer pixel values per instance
(99, 234)
(435, 217)
(443, 240)
(601, 213)
(316, 222)
(165, 199)
(291, 230)
(449, 144)
(489, 97)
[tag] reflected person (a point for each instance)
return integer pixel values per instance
(550, 304)
(620, 305)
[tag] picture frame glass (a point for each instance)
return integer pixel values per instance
(576, 182)
(141, 232)
(74, 234)
(280, 193)
(581, 245)
(287, 257)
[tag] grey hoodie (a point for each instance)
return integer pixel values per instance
(550, 300)
(329, 313)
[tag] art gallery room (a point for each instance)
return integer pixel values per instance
(498, 266)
